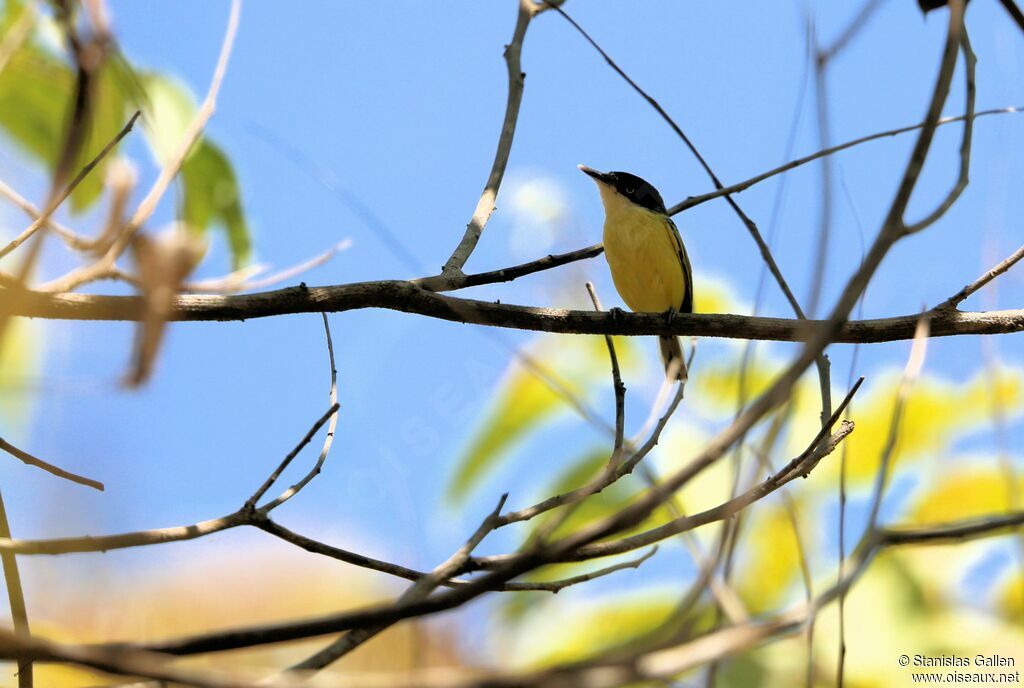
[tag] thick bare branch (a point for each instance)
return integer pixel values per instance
(409, 298)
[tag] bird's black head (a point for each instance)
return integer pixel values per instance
(631, 187)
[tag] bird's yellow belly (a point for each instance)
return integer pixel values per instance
(643, 260)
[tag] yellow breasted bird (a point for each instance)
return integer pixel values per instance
(646, 255)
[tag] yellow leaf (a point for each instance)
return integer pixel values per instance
(714, 295)
(717, 384)
(595, 628)
(547, 378)
(1010, 599)
(524, 402)
(937, 412)
(963, 494)
(771, 560)
(20, 361)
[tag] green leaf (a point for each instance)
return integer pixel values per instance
(108, 117)
(523, 403)
(212, 196)
(603, 503)
(532, 394)
(36, 101)
(34, 95)
(610, 500)
(210, 190)
(599, 628)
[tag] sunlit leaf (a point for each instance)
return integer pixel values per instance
(36, 98)
(212, 196)
(717, 383)
(522, 404)
(20, 363)
(110, 112)
(713, 295)
(892, 610)
(962, 494)
(743, 671)
(546, 380)
(937, 412)
(34, 95)
(210, 191)
(771, 559)
(597, 627)
(1010, 598)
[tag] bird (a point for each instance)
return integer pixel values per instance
(646, 255)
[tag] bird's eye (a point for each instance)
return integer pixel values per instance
(630, 190)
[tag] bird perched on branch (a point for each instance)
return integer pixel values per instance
(646, 255)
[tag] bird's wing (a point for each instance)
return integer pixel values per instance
(687, 305)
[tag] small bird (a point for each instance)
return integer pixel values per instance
(646, 255)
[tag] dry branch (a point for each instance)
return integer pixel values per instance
(30, 460)
(409, 298)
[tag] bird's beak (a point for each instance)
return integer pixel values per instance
(591, 172)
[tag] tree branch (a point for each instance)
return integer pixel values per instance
(485, 206)
(27, 458)
(409, 298)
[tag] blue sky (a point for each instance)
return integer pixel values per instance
(402, 104)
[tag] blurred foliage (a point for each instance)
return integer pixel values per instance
(771, 561)
(915, 593)
(938, 411)
(19, 369)
(241, 584)
(598, 628)
(609, 500)
(210, 188)
(36, 97)
(531, 394)
(961, 493)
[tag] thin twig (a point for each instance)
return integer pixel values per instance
(272, 478)
(485, 206)
(16, 597)
(1014, 11)
(748, 223)
(43, 218)
(956, 299)
(620, 389)
(244, 279)
(328, 439)
(33, 212)
(800, 466)
(27, 458)
(419, 591)
(910, 374)
(647, 664)
(193, 132)
(963, 177)
(692, 201)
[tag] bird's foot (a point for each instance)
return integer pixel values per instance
(616, 313)
(670, 316)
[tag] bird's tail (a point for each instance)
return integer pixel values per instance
(672, 357)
